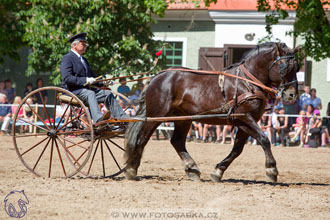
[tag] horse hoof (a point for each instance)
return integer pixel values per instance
(194, 176)
(216, 176)
(130, 174)
(272, 174)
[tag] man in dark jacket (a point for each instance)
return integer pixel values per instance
(77, 76)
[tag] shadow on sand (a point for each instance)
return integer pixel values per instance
(173, 179)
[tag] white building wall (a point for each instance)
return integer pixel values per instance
(235, 34)
(232, 26)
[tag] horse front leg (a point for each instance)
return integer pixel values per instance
(239, 143)
(249, 127)
(270, 163)
(178, 141)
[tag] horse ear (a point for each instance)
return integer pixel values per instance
(281, 47)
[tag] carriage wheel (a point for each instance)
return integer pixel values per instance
(48, 137)
(107, 158)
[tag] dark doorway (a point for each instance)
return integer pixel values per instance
(236, 52)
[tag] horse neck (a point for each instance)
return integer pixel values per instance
(259, 69)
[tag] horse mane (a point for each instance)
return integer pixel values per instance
(251, 52)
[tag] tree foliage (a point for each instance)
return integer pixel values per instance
(11, 28)
(311, 25)
(118, 32)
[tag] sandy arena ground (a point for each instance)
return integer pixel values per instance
(303, 190)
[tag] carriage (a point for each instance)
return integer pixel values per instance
(72, 144)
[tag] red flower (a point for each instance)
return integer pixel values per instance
(159, 53)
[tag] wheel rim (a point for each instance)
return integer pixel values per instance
(43, 150)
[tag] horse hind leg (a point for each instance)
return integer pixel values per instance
(137, 136)
(178, 141)
(239, 143)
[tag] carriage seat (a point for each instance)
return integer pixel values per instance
(66, 99)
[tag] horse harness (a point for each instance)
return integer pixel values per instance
(229, 106)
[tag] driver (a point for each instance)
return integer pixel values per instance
(77, 76)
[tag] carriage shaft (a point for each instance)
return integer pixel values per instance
(172, 118)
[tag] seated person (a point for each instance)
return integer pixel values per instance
(60, 110)
(318, 131)
(77, 76)
(282, 127)
(14, 107)
(123, 88)
(300, 128)
(5, 114)
(17, 101)
(137, 92)
(28, 115)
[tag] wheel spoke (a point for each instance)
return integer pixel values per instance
(80, 142)
(38, 116)
(51, 158)
(68, 152)
(74, 132)
(81, 155)
(55, 102)
(59, 155)
(66, 109)
(34, 146)
(26, 121)
(113, 157)
(69, 121)
(41, 155)
(74, 144)
(91, 163)
(116, 145)
(43, 103)
(81, 119)
(102, 158)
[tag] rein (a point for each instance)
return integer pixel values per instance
(253, 80)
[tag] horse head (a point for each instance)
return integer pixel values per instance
(280, 64)
(288, 69)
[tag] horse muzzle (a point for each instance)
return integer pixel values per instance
(288, 92)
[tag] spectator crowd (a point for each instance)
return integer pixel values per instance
(285, 123)
(9, 102)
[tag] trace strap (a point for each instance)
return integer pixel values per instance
(253, 80)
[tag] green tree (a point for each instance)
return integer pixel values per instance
(118, 31)
(11, 28)
(311, 25)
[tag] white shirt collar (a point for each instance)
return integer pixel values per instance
(76, 53)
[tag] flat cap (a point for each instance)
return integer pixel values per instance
(78, 37)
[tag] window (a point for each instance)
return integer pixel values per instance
(173, 53)
(176, 50)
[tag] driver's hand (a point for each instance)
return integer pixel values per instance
(90, 80)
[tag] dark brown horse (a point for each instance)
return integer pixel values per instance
(185, 92)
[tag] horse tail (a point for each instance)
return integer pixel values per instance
(133, 130)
